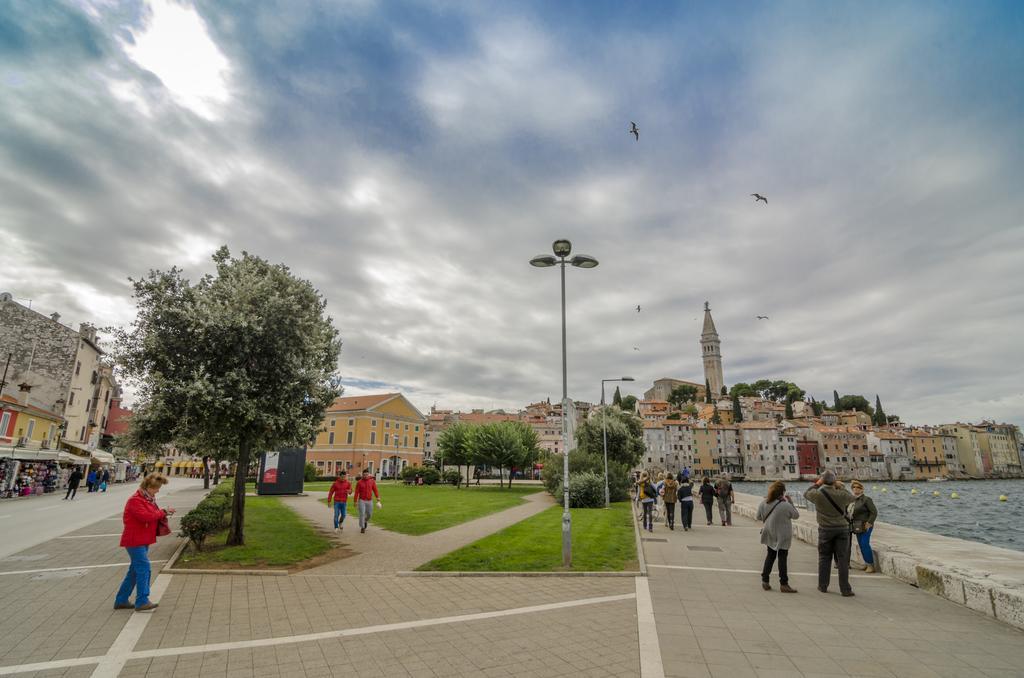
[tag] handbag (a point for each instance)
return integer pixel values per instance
(163, 527)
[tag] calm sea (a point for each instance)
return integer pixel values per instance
(977, 515)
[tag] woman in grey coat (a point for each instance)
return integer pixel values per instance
(778, 513)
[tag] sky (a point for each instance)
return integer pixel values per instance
(409, 159)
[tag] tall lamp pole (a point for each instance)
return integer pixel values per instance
(562, 249)
(604, 431)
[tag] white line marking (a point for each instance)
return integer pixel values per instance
(7, 516)
(79, 567)
(88, 536)
(46, 666)
(120, 652)
(723, 569)
(650, 649)
(49, 508)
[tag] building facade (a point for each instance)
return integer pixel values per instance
(711, 352)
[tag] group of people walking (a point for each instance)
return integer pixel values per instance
(661, 494)
(365, 491)
(95, 481)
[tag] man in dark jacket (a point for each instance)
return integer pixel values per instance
(73, 482)
(833, 531)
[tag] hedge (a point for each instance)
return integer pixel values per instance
(210, 515)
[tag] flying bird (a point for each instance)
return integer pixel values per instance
(762, 317)
(638, 308)
(758, 196)
(636, 348)
(634, 130)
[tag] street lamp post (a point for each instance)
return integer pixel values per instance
(562, 249)
(604, 431)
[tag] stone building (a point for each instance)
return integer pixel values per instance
(711, 351)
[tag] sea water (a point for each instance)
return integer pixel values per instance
(977, 515)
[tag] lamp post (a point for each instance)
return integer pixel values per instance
(604, 431)
(562, 249)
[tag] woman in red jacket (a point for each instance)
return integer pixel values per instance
(143, 521)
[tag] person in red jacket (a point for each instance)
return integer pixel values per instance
(366, 490)
(337, 498)
(142, 522)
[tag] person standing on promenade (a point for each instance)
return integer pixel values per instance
(862, 517)
(90, 480)
(366, 490)
(707, 497)
(73, 482)
(684, 493)
(144, 521)
(104, 479)
(833, 531)
(723, 488)
(647, 494)
(669, 495)
(337, 499)
(777, 513)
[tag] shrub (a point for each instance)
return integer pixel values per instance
(583, 462)
(452, 476)
(431, 475)
(310, 473)
(586, 490)
(409, 472)
(209, 516)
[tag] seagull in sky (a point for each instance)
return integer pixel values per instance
(636, 348)
(762, 317)
(638, 308)
(634, 130)
(758, 196)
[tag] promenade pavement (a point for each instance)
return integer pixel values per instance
(714, 619)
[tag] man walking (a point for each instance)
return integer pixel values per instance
(723, 488)
(73, 482)
(366, 490)
(90, 480)
(830, 503)
(337, 498)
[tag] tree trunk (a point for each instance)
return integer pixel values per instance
(236, 536)
(510, 474)
(206, 473)
(216, 472)
(501, 476)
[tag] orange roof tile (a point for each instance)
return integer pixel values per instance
(355, 403)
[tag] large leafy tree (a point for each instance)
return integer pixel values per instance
(245, 358)
(625, 435)
(629, 403)
(683, 393)
(504, 444)
(617, 398)
(743, 389)
(855, 402)
(453, 446)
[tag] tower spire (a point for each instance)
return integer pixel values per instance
(711, 353)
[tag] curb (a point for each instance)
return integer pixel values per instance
(250, 573)
(639, 543)
(174, 558)
(416, 573)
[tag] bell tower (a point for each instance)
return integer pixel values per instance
(711, 352)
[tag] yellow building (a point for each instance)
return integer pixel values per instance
(28, 426)
(927, 455)
(382, 433)
(705, 452)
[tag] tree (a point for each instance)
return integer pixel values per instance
(707, 391)
(879, 417)
(617, 398)
(835, 400)
(453, 446)
(725, 391)
(625, 435)
(855, 402)
(629, 403)
(743, 390)
(683, 393)
(737, 411)
(789, 409)
(247, 353)
(505, 444)
(817, 407)
(716, 418)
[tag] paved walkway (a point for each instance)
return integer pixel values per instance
(379, 552)
(713, 618)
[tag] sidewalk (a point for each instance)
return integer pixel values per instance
(713, 618)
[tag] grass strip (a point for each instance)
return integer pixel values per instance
(602, 541)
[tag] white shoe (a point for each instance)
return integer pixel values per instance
(337, 529)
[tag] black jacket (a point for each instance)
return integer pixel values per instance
(707, 494)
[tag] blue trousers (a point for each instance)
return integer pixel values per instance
(340, 511)
(137, 577)
(864, 541)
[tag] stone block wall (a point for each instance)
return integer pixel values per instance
(50, 348)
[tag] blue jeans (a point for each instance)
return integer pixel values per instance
(137, 577)
(340, 511)
(864, 540)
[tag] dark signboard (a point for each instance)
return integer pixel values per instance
(281, 471)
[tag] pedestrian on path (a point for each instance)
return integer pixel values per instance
(90, 480)
(366, 490)
(647, 494)
(337, 498)
(73, 482)
(777, 513)
(833, 531)
(684, 493)
(144, 521)
(862, 517)
(723, 488)
(104, 479)
(669, 490)
(707, 497)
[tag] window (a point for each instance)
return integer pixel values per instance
(406, 427)
(320, 464)
(351, 422)
(335, 421)
(5, 421)
(78, 368)
(405, 442)
(349, 438)
(387, 441)
(330, 441)
(373, 423)
(416, 442)
(71, 399)
(89, 402)
(417, 429)
(373, 439)
(32, 429)
(387, 424)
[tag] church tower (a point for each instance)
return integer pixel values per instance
(711, 351)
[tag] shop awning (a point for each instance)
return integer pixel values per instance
(78, 446)
(28, 455)
(102, 457)
(69, 458)
(160, 464)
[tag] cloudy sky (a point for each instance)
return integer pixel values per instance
(410, 158)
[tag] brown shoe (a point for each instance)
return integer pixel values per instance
(848, 594)
(147, 607)
(766, 586)
(870, 569)
(124, 606)
(786, 588)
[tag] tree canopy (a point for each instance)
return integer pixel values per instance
(625, 435)
(244, 360)
(854, 402)
(504, 444)
(684, 393)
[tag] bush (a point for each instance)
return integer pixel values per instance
(409, 472)
(209, 516)
(430, 474)
(583, 462)
(586, 490)
(452, 476)
(310, 473)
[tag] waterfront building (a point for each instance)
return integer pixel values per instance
(383, 433)
(654, 443)
(809, 463)
(968, 450)
(844, 449)
(679, 446)
(928, 457)
(711, 350)
(653, 410)
(768, 454)
(894, 449)
(998, 442)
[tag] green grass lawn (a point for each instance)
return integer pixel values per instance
(422, 509)
(274, 536)
(602, 540)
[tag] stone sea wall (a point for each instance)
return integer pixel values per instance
(987, 579)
